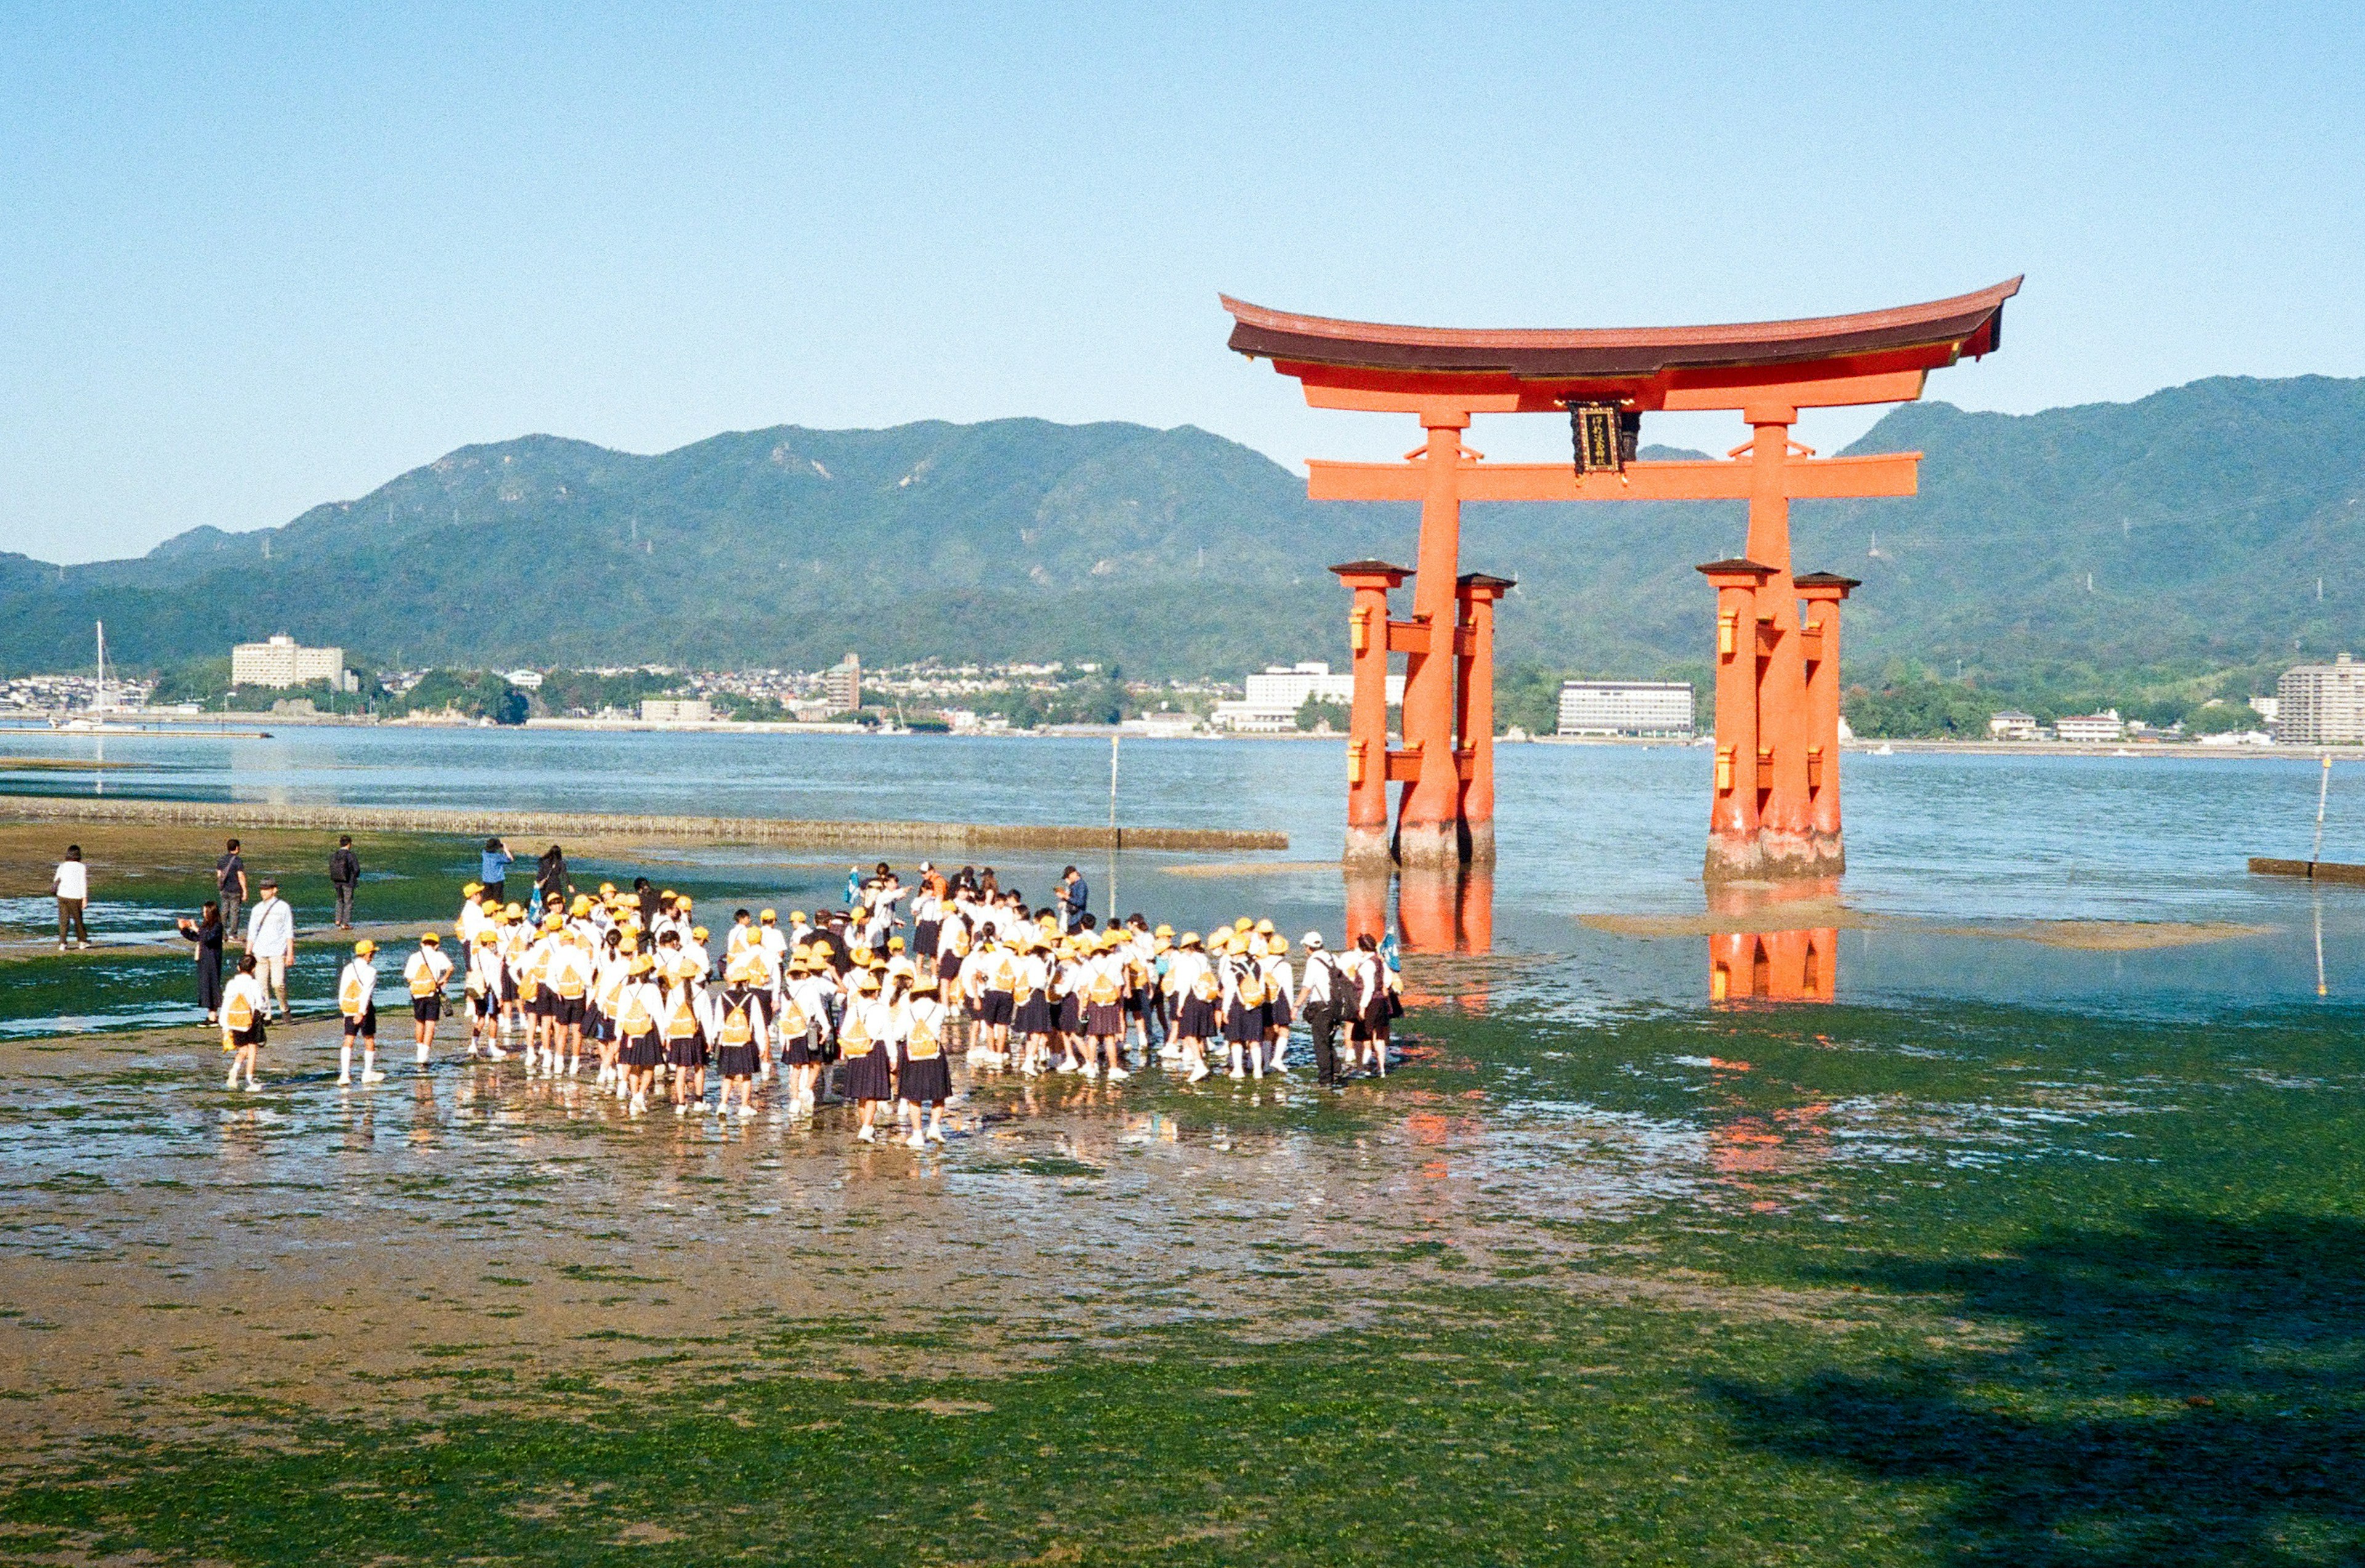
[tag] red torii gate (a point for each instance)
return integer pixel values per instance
(1775, 809)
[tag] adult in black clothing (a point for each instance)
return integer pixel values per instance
(345, 874)
(550, 876)
(204, 935)
(650, 902)
(229, 884)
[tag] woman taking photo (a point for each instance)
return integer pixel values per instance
(205, 936)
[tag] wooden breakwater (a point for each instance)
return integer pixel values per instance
(2313, 871)
(560, 827)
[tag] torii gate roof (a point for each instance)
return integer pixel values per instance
(1865, 357)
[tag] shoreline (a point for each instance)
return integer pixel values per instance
(478, 823)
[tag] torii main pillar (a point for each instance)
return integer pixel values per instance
(1775, 801)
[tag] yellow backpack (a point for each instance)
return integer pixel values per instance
(349, 996)
(424, 984)
(736, 1028)
(1250, 988)
(637, 1019)
(925, 1045)
(570, 979)
(1105, 991)
(854, 1039)
(683, 1021)
(1206, 988)
(237, 1013)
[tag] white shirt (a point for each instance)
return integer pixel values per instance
(428, 967)
(271, 929)
(1322, 969)
(361, 975)
(72, 879)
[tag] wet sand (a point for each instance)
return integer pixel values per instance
(172, 1252)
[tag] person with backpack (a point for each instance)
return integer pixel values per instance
(739, 1039)
(345, 874)
(924, 1082)
(357, 1004)
(425, 973)
(1318, 1001)
(246, 1007)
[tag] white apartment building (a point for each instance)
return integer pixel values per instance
(2010, 725)
(283, 662)
(1658, 708)
(842, 683)
(676, 711)
(2090, 728)
(1275, 694)
(2321, 704)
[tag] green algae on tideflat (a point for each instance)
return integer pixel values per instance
(1978, 1283)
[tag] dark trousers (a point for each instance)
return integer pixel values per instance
(500, 891)
(70, 912)
(344, 904)
(1322, 1023)
(230, 903)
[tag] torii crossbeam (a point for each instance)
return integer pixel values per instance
(1775, 809)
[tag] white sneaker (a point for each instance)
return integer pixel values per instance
(346, 1081)
(746, 1111)
(1118, 1075)
(1091, 1070)
(231, 1082)
(1197, 1072)
(1237, 1073)
(936, 1135)
(640, 1105)
(681, 1107)
(373, 1078)
(252, 1087)
(865, 1135)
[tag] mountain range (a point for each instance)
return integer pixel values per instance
(2182, 532)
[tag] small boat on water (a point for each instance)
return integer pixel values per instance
(1884, 749)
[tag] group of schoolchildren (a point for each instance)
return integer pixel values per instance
(864, 1005)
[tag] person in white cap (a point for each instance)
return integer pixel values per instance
(1318, 1002)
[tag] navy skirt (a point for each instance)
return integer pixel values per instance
(1197, 1021)
(687, 1051)
(927, 1082)
(1072, 1015)
(640, 1050)
(870, 1076)
(735, 1062)
(1105, 1018)
(1033, 1017)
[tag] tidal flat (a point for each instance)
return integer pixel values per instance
(1995, 1283)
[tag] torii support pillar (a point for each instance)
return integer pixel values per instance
(1474, 649)
(1824, 592)
(1735, 795)
(1367, 724)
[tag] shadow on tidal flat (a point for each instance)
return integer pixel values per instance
(2186, 1390)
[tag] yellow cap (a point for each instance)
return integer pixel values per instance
(364, 948)
(797, 915)
(768, 916)
(1164, 930)
(1264, 926)
(607, 889)
(699, 932)
(514, 910)
(472, 889)
(1242, 923)
(894, 944)
(486, 938)
(430, 938)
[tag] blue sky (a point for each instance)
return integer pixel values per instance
(259, 258)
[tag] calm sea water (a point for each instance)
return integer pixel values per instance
(1583, 830)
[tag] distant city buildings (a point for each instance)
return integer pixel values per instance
(1662, 709)
(283, 662)
(2012, 726)
(2092, 729)
(524, 680)
(1273, 696)
(842, 683)
(677, 711)
(2321, 704)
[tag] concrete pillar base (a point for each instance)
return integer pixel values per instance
(1480, 839)
(1368, 846)
(1429, 843)
(1766, 856)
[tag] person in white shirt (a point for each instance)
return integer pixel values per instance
(357, 1004)
(1280, 1007)
(271, 941)
(484, 988)
(425, 973)
(71, 882)
(246, 1007)
(1319, 1003)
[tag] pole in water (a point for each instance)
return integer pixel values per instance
(1113, 741)
(2321, 784)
